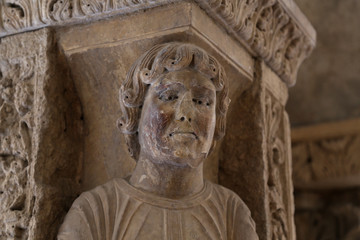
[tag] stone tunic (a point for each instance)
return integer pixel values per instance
(117, 210)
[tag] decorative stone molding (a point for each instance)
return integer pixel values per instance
(38, 121)
(266, 27)
(279, 164)
(327, 155)
(276, 158)
(268, 30)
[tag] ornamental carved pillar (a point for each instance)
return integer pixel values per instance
(260, 166)
(59, 100)
(39, 136)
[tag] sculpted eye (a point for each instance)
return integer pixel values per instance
(201, 102)
(168, 96)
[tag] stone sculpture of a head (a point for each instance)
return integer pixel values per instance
(174, 102)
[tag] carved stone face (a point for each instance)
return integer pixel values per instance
(178, 119)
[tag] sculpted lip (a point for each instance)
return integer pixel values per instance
(183, 133)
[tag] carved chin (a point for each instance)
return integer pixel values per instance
(186, 157)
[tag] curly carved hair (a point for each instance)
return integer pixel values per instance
(159, 60)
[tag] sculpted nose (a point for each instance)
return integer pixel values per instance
(185, 109)
(185, 118)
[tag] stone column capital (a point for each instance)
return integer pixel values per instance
(273, 30)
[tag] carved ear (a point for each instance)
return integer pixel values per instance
(213, 145)
(119, 124)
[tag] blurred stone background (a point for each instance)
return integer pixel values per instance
(324, 109)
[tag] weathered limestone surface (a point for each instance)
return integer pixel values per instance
(72, 100)
(39, 123)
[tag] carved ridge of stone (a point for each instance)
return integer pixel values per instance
(276, 158)
(263, 24)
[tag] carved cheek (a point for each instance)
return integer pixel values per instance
(160, 120)
(203, 122)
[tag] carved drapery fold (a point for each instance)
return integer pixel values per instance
(264, 25)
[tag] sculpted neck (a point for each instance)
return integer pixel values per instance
(167, 180)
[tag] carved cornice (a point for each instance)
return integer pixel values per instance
(265, 26)
(269, 31)
(327, 155)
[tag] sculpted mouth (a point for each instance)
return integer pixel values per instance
(188, 134)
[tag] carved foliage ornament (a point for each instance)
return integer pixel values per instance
(19, 15)
(268, 29)
(276, 160)
(263, 24)
(16, 121)
(324, 159)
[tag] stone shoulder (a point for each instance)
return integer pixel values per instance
(103, 193)
(229, 196)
